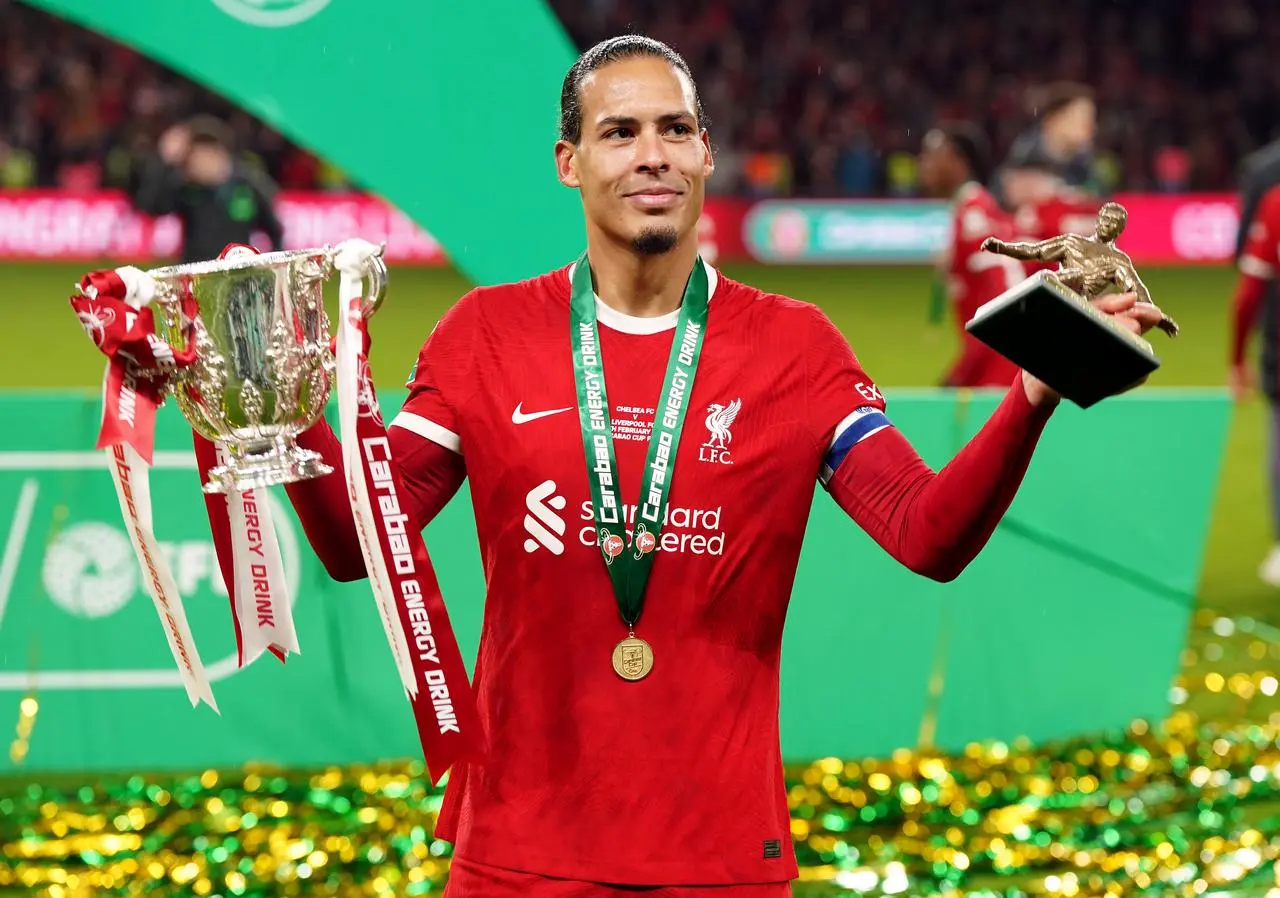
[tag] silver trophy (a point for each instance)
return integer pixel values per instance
(264, 363)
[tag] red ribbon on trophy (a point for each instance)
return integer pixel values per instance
(112, 308)
(404, 583)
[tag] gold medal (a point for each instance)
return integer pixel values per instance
(632, 658)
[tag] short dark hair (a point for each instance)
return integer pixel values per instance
(209, 130)
(1058, 96)
(970, 144)
(615, 49)
(1030, 155)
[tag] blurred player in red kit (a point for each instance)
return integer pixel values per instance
(1256, 308)
(643, 436)
(953, 165)
(1044, 205)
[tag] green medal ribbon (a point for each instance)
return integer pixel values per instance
(629, 569)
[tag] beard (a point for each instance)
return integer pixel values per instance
(654, 241)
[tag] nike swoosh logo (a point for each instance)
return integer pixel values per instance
(519, 416)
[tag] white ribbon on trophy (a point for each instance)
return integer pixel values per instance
(130, 473)
(260, 591)
(351, 258)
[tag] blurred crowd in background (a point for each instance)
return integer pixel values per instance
(832, 97)
(806, 97)
(81, 112)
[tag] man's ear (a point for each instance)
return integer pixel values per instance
(709, 162)
(567, 163)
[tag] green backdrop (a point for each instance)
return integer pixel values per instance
(447, 108)
(1071, 620)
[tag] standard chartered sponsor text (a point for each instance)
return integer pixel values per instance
(693, 531)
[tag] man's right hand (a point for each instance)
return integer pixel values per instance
(1240, 380)
(174, 143)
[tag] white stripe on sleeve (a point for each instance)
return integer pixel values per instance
(428, 429)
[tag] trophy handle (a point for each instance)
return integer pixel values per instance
(375, 278)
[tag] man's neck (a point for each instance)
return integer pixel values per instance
(639, 285)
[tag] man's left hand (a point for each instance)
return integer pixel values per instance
(1125, 308)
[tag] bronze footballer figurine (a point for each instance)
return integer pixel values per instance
(1090, 266)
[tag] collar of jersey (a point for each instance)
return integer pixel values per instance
(631, 324)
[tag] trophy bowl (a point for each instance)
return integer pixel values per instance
(264, 364)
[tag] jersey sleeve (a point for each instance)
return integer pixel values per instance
(845, 406)
(1260, 250)
(440, 382)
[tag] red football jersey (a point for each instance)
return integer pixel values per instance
(1257, 265)
(974, 277)
(1067, 211)
(675, 778)
(1262, 245)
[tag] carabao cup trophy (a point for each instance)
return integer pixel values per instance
(1048, 325)
(264, 362)
(244, 346)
